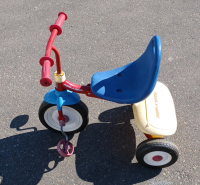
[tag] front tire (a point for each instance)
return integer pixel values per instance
(157, 153)
(77, 114)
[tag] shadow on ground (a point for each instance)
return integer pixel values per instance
(24, 158)
(105, 151)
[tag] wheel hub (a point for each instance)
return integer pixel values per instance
(157, 158)
(66, 118)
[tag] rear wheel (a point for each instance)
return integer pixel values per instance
(157, 153)
(77, 114)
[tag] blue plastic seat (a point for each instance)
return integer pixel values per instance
(133, 82)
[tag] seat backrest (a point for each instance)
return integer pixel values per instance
(131, 83)
(148, 66)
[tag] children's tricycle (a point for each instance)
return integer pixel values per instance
(135, 84)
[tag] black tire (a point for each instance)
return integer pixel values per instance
(157, 153)
(79, 108)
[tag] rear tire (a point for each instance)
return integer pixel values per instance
(77, 113)
(157, 153)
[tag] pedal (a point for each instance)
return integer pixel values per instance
(65, 148)
(156, 114)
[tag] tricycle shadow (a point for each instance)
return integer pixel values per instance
(105, 151)
(24, 158)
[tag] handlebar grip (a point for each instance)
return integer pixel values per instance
(46, 74)
(59, 22)
(46, 63)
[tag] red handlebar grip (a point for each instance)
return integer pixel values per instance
(46, 74)
(61, 18)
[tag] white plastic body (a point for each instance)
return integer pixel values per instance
(156, 114)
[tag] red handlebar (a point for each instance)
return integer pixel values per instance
(47, 62)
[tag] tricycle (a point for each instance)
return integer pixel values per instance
(135, 83)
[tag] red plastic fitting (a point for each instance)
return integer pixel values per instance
(46, 58)
(58, 25)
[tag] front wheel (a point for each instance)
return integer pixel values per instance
(157, 153)
(77, 114)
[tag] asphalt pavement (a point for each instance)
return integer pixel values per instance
(98, 35)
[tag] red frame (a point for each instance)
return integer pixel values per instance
(57, 30)
(67, 84)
